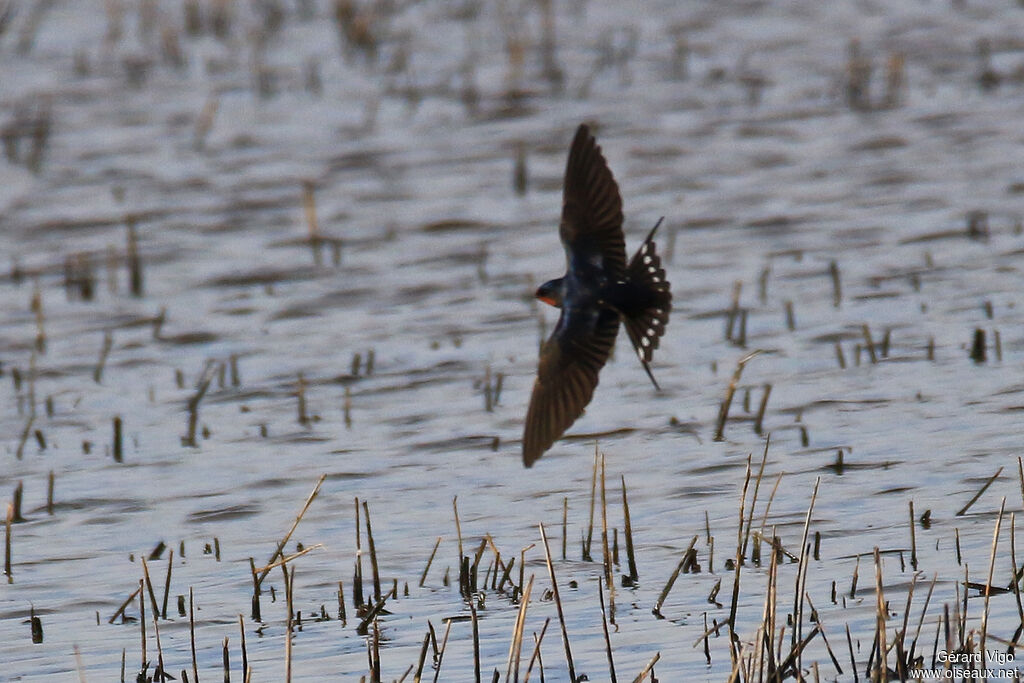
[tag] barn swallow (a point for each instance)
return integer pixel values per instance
(598, 291)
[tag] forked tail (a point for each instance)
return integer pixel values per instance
(645, 321)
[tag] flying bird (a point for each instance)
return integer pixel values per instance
(598, 291)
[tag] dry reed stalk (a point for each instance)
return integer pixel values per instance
(202, 385)
(1020, 474)
(604, 627)
(734, 310)
(753, 500)
(840, 356)
(977, 495)
(418, 676)
(515, 648)
(149, 587)
(290, 558)
(988, 582)
(7, 543)
(837, 290)
(245, 653)
(913, 538)
(289, 580)
(672, 579)
(759, 418)
(593, 502)
(475, 624)
(801, 577)
(80, 667)
(869, 343)
(647, 669)
(167, 584)
(630, 552)
(134, 261)
(723, 412)
(1015, 576)
(192, 633)
(565, 524)
(108, 342)
(535, 656)
(609, 581)
(440, 653)
(881, 666)
(824, 637)
(284, 541)
(430, 560)
(373, 554)
(159, 649)
(558, 604)
(458, 527)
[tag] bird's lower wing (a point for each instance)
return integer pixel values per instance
(567, 374)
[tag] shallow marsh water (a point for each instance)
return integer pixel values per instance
(730, 119)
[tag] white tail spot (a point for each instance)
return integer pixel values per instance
(650, 332)
(647, 260)
(645, 341)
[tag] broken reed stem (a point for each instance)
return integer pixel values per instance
(630, 553)
(604, 627)
(558, 604)
(149, 587)
(516, 647)
(458, 527)
(977, 495)
(988, 582)
(245, 653)
(535, 656)
(430, 560)
(373, 554)
(440, 653)
(723, 411)
(869, 343)
(759, 419)
(837, 290)
(167, 584)
(287, 536)
(124, 605)
(108, 342)
(672, 579)
(647, 669)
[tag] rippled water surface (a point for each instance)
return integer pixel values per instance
(387, 328)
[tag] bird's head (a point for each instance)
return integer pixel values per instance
(551, 293)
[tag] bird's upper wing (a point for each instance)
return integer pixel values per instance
(591, 227)
(570, 361)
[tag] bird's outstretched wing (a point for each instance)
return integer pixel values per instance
(570, 361)
(591, 227)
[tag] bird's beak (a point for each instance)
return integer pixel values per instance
(548, 300)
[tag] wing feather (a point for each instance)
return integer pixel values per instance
(591, 226)
(567, 375)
